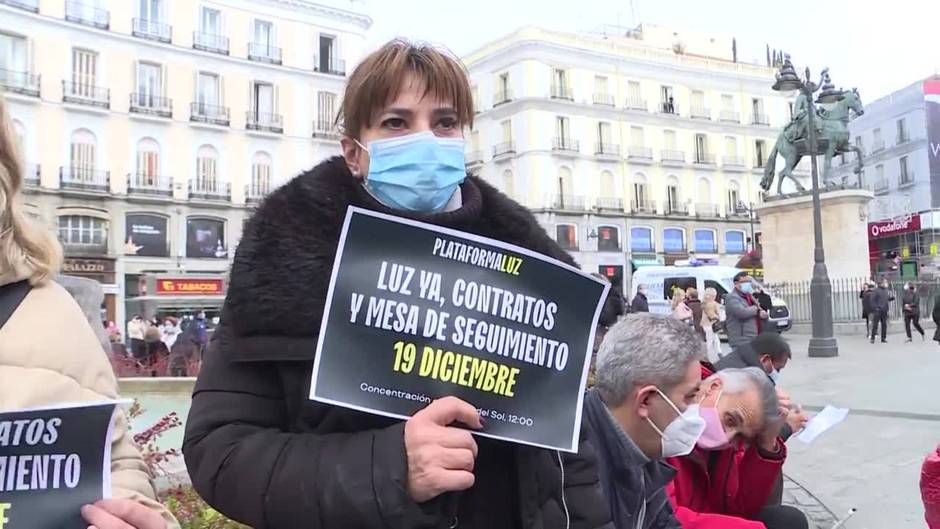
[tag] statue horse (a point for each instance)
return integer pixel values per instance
(832, 137)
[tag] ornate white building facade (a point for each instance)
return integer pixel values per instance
(635, 148)
(151, 127)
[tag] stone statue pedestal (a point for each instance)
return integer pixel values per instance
(787, 235)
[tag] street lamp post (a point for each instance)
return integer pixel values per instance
(823, 342)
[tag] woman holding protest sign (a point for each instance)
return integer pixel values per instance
(40, 368)
(262, 453)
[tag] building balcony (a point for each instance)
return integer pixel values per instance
(329, 65)
(739, 210)
(473, 158)
(677, 208)
(729, 116)
(152, 30)
(506, 148)
(635, 103)
(609, 203)
(502, 97)
(759, 164)
(877, 145)
(31, 175)
(607, 150)
(151, 105)
(256, 191)
(264, 53)
(265, 122)
(93, 249)
(211, 43)
(563, 145)
(672, 157)
(643, 206)
(639, 154)
(84, 179)
(665, 107)
(29, 5)
(602, 98)
(211, 114)
(881, 186)
(149, 185)
(700, 113)
(562, 92)
(760, 119)
(86, 94)
(906, 180)
(23, 83)
(566, 203)
(733, 162)
(706, 209)
(901, 139)
(210, 189)
(323, 128)
(87, 14)
(704, 158)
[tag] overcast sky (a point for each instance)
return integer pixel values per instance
(877, 46)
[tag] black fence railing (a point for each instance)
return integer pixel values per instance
(87, 14)
(212, 114)
(329, 65)
(846, 300)
(264, 121)
(560, 91)
(86, 94)
(501, 97)
(504, 148)
(152, 30)
(325, 128)
(154, 105)
(210, 42)
(29, 5)
(149, 185)
(19, 82)
(256, 191)
(84, 179)
(636, 103)
(700, 113)
(264, 53)
(565, 144)
(607, 149)
(603, 98)
(210, 189)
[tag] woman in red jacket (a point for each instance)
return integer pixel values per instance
(738, 459)
(930, 488)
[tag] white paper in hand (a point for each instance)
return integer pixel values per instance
(824, 420)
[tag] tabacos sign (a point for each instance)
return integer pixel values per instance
(877, 230)
(190, 286)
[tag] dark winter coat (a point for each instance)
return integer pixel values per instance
(935, 316)
(613, 308)
(696, 307)
(258, 450)
(912, 300)
(881, 299)
(866, 297)
(640, 303)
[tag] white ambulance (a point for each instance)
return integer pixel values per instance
(660, 280)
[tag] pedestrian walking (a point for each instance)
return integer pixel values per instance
(935, 316)
(135, 333)
(640, 303)
(695, 305)
(865, 296)
(680, 310)
(911, 302)
(711, 324)
(170, 332)
(881, 300)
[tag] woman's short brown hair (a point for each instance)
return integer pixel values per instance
(378, 79)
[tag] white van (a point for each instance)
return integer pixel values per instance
(660, 280)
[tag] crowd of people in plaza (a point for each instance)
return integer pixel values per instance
(876, 300)
(676, 433)
(164, 345)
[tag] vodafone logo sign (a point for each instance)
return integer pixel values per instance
(877, 230)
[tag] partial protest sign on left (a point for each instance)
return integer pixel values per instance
(54, 460)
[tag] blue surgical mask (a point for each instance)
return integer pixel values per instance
(418, 172)
(775, 376)
(747, 288)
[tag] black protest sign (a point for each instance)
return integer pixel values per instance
(52, 462)
(416, 312)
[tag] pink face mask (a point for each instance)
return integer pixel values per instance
(714, 436)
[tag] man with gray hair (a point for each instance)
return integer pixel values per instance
(739, 456)
(638, 412)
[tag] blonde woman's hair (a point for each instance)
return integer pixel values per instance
(711, 294)
(691, 293)
(26, 249)
(678, 296)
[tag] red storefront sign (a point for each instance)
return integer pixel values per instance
(890, 228)
(190, 287)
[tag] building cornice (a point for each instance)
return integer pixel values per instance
(303, 6)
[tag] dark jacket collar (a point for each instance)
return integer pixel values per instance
(280, 274)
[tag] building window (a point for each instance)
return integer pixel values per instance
(506, 127)
(905, 177)
(667, 101)
(641, 239)
(326, 110)
(608, 239)
(877, 143)
(208, 93)
(260, 175)
(757, 110)
(264, 33)
(13, 60)
(509, 183)
(734, 196)
(603, 137)
(731, 147)
(84, 73)
(672, 195)
(149, 85)
(148, 162)
(637, 138)
(734, 242)
(701, 149)
(563, 130)
(565, 184)
(210, 21)
(205, 238)
(262, 102)
(859, 143)
(145, 235)
(82, 155)
(206, 167)
(325, 61)
(760, 153)
(80, 230)
(674, 240)
(902, 131)
(670, 142)
(608, 186)
(560, 88)
(705, 241)
(567, 237)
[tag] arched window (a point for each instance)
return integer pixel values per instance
(673, 199)
(641, 239)
(82, 155)
(260, 175)
(206, 183)
(734, 196)
(641, 199)
(705, 241)
(608, 186)
(704, 191)
(509, 183)
(608, 239)
(565, 183)
(84, 233)
(674, 240)
(567, 236)
(735, 241)
(148, 163)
